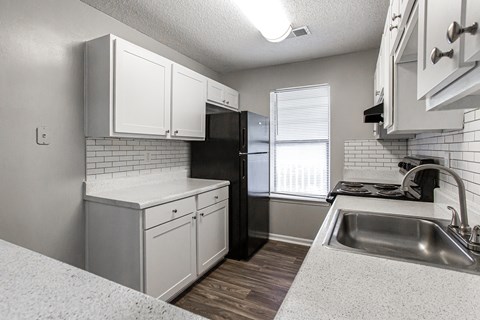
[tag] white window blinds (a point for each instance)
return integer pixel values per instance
(300, 141)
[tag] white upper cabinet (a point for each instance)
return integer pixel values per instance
(142, 90)
(439, 62)
(394, 19)
(221, 95)
(470, 29)
(134, 93)
(128, 90)
(188, 104)
(231, 98)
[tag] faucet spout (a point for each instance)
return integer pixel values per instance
(464, 227)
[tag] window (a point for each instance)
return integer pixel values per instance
(300, 145)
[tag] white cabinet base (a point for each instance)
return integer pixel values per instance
(212, 236)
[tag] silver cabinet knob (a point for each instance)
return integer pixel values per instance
(392, 27)
(194, 217)
(174, 211)
(216, 197)
(475, 236)
(223, 101)
(175, 132)
(228, 102)
(455, 30)
(168, 131)
(437, 54)
(455, 222)
(202, 214)
(395, 16)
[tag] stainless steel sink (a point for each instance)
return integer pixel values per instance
(408, 238)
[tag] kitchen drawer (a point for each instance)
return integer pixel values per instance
(209, 198)
(168, 211)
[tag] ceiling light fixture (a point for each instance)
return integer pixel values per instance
(268, 16)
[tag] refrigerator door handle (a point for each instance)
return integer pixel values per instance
(250, 153)
(244, 137)
(244, 168)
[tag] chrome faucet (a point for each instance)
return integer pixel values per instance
(465, 229)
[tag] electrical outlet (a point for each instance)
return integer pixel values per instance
(43, 138)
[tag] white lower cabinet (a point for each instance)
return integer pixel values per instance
(212, 235)
(170, 257)
(160, 250)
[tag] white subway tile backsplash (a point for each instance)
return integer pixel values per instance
(463, 149)
(109, 158)
(374, 154)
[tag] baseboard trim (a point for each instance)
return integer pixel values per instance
(288, 239)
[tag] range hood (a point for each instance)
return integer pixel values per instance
(374, 114)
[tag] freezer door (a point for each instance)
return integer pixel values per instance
(254, 133)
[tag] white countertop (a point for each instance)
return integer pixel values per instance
(148, 191)
(334, 284)
(34, 286)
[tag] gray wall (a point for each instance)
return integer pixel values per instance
(41, 83)
(351, 88)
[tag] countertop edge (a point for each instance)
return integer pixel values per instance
(153, 203)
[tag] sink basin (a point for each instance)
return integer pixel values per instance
(408, 238)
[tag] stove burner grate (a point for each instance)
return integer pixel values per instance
(381, 186)
(349, 184)
(352, 190)
(391, 193)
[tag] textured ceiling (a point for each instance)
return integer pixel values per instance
(216, 34)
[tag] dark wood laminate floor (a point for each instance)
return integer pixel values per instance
(251, 289)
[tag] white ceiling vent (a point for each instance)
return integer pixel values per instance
(302, 31)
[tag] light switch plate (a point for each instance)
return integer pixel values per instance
(43, 137)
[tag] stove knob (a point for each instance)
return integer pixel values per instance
(401, 164)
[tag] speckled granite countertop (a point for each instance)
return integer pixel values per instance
(33, 286)
(333, 284)
(147, 191)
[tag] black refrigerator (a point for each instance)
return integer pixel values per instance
(236, 148)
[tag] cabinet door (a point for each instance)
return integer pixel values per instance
(215, 92)
(394, 19)
(472, 42)
(435, 16)
(212, 235)
(387, 84)
(170, 257)
(188, 103)
(142, 90)
(231, 98)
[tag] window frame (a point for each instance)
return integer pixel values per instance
(273, 125)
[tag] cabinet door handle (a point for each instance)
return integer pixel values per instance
(174, 211)
(437, 54)
(194, 218)
(175, 132)
(228, 102)
(395, 16)
(223, 101)
(392, 27)
(202, 214)
(216, 197)
(167, 131)
(455, 30)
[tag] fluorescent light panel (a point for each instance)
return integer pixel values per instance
(268, 16)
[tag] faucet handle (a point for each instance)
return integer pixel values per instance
(475, 236)
(455, 222)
